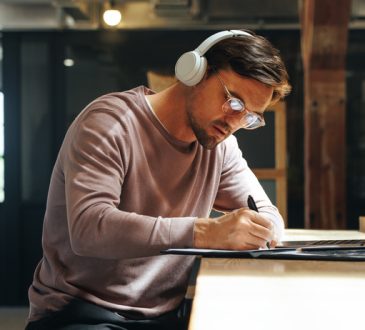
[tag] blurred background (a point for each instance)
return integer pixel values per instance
(57, 56)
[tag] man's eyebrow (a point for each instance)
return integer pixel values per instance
(236, 95)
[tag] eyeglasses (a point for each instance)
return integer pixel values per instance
(235, 107)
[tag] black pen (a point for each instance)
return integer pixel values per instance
(252, 205)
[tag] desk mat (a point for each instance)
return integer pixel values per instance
(329, 253)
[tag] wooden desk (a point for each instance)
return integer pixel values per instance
(280, 294)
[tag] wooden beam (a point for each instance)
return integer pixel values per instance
(324, 47)
(280, 160)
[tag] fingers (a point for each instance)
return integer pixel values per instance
(242, 229)
(259, 219)
(261, 226)
(248, 246)
(255, 242)
(261, 230)
(273, 244)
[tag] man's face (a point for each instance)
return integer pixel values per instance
(204, 107)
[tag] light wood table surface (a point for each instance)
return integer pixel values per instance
(254, 294)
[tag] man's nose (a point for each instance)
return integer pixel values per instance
(233, 121)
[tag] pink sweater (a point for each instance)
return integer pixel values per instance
(123, 189)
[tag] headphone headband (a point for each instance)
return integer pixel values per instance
(217, 37)
(191, 66)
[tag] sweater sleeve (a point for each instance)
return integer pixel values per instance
(238, 182)
(95, 158)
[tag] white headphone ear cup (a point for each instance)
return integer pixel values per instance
(189, 68)
(200, 72)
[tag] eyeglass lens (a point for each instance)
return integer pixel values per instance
(250, 121)
(235, 106)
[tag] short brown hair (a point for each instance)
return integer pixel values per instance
(253, 57)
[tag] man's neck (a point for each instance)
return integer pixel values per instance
(169, 106)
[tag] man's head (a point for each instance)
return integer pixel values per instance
(244, 52)
(235, 76)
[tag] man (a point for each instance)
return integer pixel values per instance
(139, 172)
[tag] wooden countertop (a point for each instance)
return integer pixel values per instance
(280, 294)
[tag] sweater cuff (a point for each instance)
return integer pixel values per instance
(182, 232)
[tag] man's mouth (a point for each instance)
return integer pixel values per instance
(221, 131)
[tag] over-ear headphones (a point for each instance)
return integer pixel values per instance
(191, 66)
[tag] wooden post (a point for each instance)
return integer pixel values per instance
(324, 47)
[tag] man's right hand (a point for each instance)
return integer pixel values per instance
(242, 229)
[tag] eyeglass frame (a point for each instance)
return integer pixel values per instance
(259, 117)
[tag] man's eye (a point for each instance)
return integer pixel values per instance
(236, 104)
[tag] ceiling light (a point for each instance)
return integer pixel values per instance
(69, 58)
(68, 62)
(112, 16)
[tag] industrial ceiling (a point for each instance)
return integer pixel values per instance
(159, 14)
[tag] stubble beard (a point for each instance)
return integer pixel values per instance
(204, 139)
